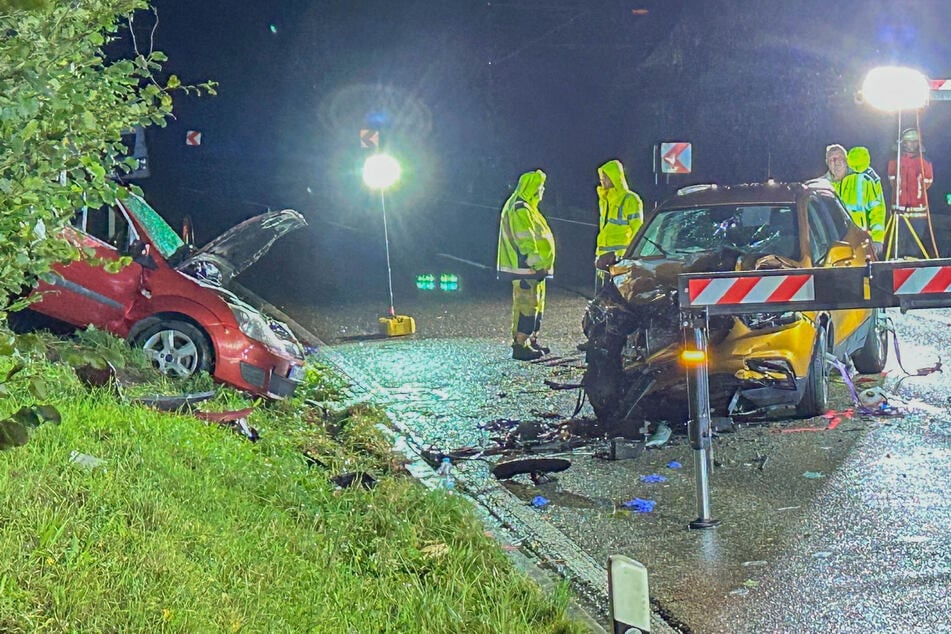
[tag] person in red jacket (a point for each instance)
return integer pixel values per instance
(911, 202)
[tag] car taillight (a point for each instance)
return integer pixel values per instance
(759, 321)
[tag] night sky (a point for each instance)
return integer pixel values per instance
(469, 94)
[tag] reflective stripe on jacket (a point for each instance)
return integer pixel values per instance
(621, 211)
(861, 193)
(526, 243)
(917, 175)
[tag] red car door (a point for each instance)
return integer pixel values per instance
(85, 292)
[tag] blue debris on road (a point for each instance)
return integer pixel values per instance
(640, 506)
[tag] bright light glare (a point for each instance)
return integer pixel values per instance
(895, 88)
(380, 171)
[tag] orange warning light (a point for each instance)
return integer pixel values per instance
(690, 356)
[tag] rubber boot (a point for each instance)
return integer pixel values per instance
(534, 345)
(524, 352)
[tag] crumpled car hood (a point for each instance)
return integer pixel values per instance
(642, 280)
(235, 250)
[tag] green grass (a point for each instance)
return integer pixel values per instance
(189, 527)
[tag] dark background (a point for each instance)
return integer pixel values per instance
(469, 94)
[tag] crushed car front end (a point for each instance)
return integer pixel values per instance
(634, 330)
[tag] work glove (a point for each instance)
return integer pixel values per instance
(605, 261)
(541, 274)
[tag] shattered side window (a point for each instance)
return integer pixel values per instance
(161, 234)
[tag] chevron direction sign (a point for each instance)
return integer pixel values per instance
(940, 89)
(676, 158)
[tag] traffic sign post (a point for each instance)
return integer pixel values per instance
(907, 284)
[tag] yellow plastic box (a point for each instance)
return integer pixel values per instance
(397, 325)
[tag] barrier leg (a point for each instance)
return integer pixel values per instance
(699, 428)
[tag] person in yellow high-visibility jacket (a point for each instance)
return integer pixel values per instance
(861, 192)
(621, 214)
(526, 256)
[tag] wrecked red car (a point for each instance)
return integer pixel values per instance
(173, 300)
(756, 361)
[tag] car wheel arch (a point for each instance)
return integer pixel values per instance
(815, 393)
(825, 321)
(147, 322)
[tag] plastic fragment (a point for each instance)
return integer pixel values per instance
(673, 464)
(653, 478)
(660, 436)
(85, 460)
(446, 478)
(812, 475)
(539, 501)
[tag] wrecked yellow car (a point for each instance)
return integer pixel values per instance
(757, 361)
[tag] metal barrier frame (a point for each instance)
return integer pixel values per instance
(905, 284)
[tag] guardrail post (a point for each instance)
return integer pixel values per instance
(699, 428)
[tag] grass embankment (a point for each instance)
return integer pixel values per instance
(188, 526)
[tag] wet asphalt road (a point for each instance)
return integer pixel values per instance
(839, 530)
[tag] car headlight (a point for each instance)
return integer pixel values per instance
(255, 326)
(759, 321)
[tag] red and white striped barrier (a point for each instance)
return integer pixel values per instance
(928, 279)
(752, 290)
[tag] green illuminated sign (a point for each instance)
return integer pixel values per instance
(425, 281)
(448, 282)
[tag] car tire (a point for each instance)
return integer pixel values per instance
(815, 397)
(176, 348)
(603, 374)
(871, 357)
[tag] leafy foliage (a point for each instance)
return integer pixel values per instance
(63, 107)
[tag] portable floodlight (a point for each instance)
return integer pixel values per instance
(381, 171)
(895, 88)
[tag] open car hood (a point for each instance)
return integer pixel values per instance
(225, 257)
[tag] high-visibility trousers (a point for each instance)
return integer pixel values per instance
(528, 305)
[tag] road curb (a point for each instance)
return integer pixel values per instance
(552, 549)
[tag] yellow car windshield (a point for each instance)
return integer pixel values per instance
(744, 228)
